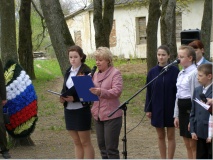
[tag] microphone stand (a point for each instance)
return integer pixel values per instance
(123, 106)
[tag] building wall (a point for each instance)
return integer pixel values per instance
(125, 29)
(125, 21)
(81, 23)
(126, 32)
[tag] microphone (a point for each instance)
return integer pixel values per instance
(93, 71)
(203, 97)
(177, 61)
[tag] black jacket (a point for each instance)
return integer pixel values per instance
(84, 70)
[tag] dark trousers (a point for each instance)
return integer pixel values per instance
(204, 150)
(108, 137)
(3, 139)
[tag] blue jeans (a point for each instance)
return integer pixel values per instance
(108, 137)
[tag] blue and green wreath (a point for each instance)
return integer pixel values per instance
(21, 101)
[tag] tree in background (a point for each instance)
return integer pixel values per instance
(168, 29)
(103, 21)
(152, 29)
(8, 42)
(58, 30)
(168, 26)
(25, 49)
(40, 36)
(206, 27)
(8, 31)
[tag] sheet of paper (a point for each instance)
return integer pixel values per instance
(205, 106)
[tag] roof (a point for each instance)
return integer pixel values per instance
(117, 3)
(73, 14)
(90, 7)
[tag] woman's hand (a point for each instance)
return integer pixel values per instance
(96, 91)
(149, 114)
(194, 136)
(208, 140)
(176, 122)
(67, 98)
(61, 99)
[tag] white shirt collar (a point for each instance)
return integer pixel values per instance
(75, 69)
(200, 61)
(206, 88)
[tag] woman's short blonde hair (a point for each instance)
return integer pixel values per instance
(104, 53)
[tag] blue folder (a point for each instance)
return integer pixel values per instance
(82, 85)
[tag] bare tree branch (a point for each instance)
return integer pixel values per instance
(42, 35)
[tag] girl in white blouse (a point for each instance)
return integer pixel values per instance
(187, 57)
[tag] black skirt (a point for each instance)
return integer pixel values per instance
(78, 119)
(184, 106)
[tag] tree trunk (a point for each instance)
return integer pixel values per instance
(103, 26)
(58, 30)
(25, 55)
(25, 38)
(8, 31)
(206, 27)
(152, 28)
(27, 141)
(168, 26)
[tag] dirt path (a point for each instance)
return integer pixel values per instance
(141, 144)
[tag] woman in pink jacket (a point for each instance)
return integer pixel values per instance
(108, 86)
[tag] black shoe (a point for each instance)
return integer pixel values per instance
(5, 155)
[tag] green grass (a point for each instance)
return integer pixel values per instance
(46, 70)
(117, 62)
(132, 84)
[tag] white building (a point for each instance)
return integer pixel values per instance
(128, 36)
